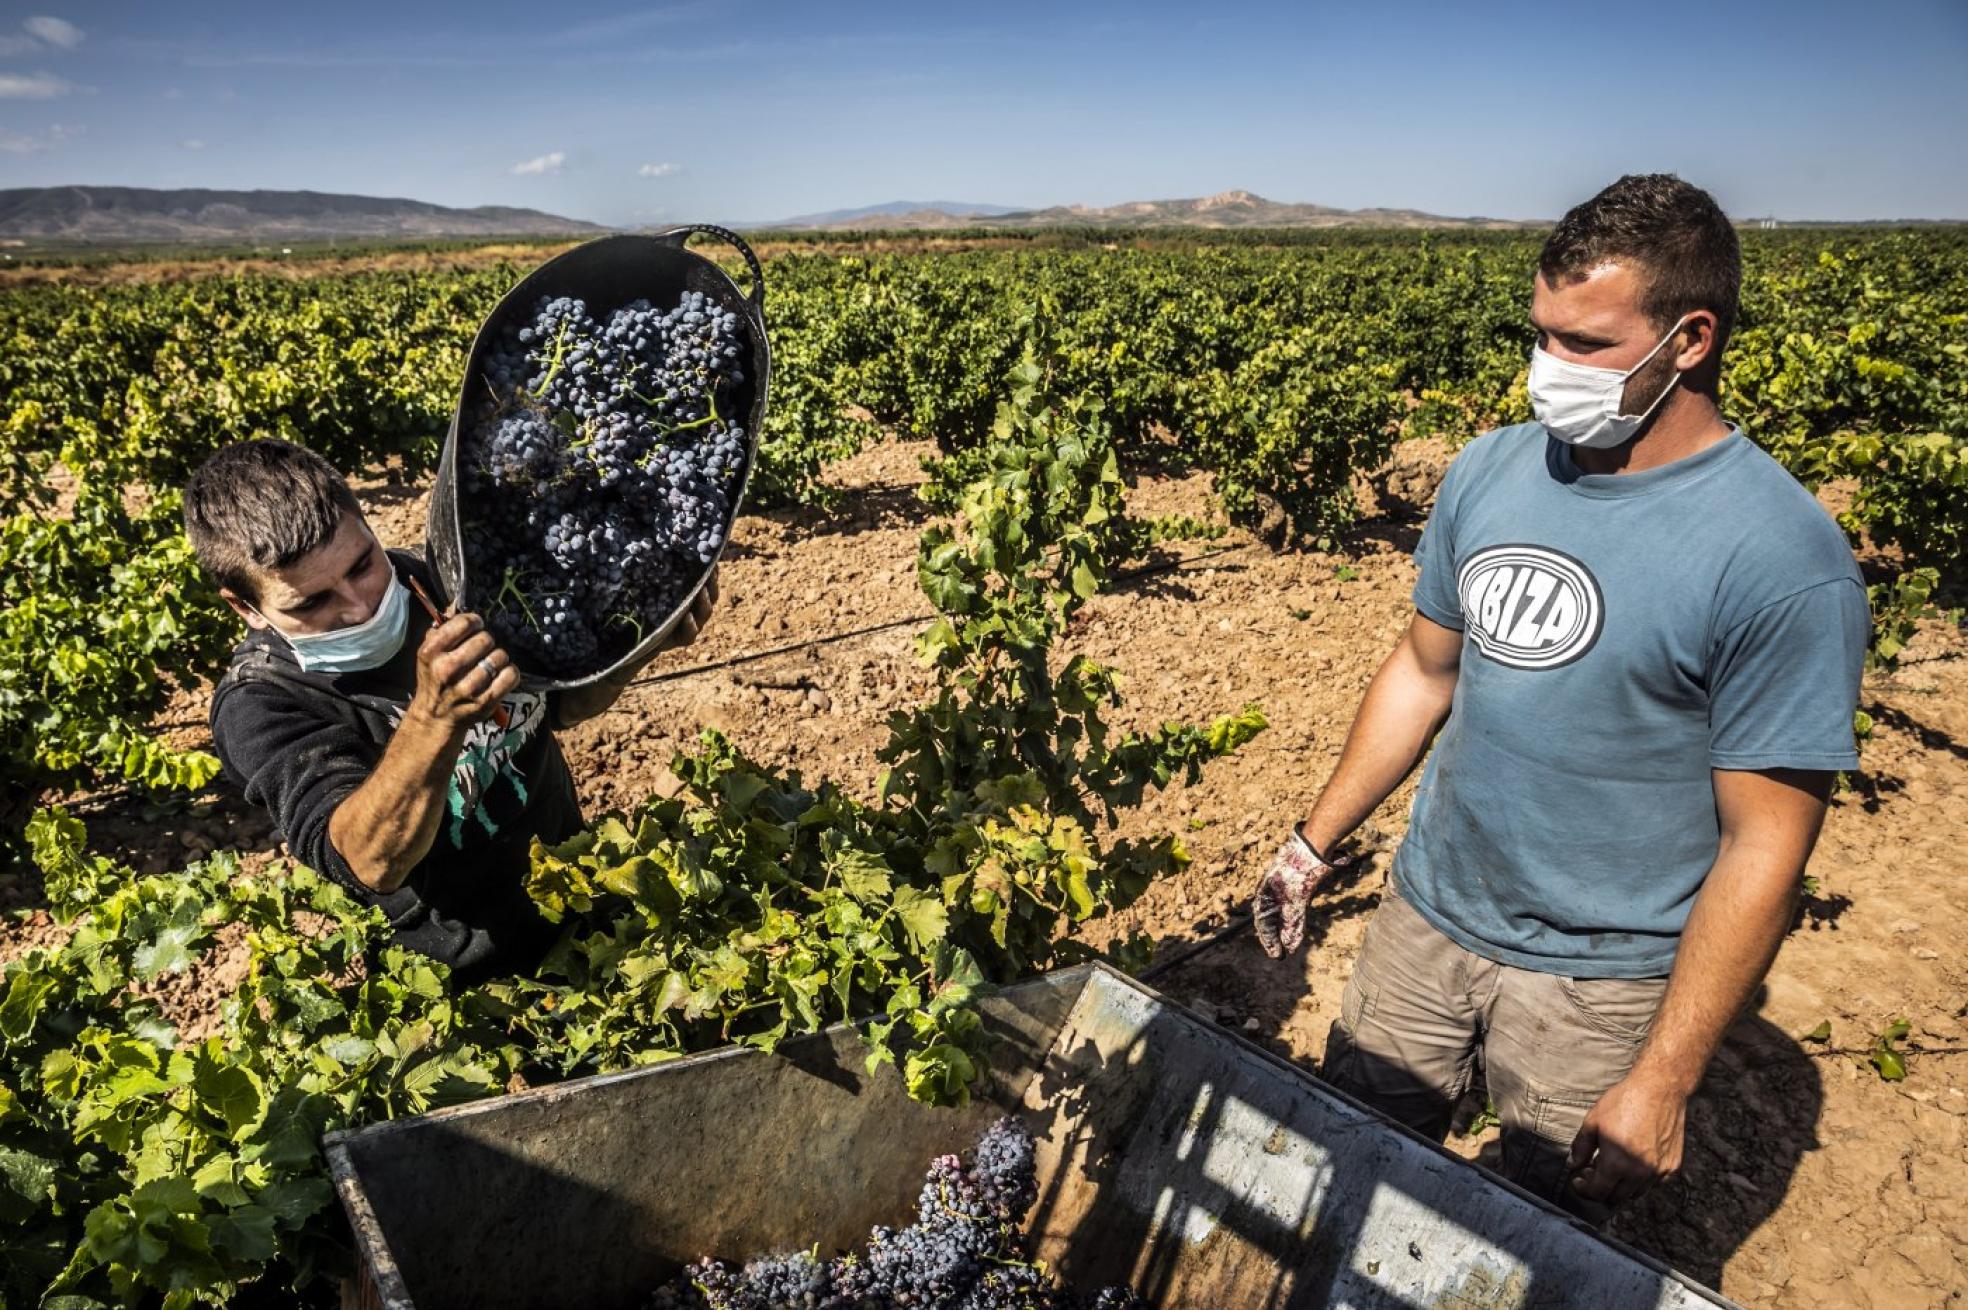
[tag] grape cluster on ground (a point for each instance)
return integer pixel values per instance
(966, 1251)
(600, 474)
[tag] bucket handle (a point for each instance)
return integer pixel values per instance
(677, 236)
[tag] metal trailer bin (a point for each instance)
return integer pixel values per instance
(1173, 1155)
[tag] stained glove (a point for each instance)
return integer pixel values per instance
(1278, 909)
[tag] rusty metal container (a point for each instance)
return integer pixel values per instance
(1173, 1155)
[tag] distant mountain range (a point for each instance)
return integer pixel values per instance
(1226, 209)
(894, 209)
(110, 214)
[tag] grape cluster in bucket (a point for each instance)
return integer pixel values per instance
(966, 1251)
(599, 476)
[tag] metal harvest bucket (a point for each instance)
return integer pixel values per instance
(606, 273)
(1173, 1155)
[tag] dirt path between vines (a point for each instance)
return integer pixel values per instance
(1809, 1181)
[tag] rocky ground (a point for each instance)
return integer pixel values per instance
(1809, 1180)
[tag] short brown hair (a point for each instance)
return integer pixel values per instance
(261, 505)
(1682, 243)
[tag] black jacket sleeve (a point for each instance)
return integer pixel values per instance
(294, 763)
(298, 751)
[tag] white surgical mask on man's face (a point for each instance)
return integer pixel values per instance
(1580, 404)
(359, 647)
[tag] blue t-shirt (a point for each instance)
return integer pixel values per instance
(1623, 634)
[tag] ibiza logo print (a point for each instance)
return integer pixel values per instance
(1529, 606)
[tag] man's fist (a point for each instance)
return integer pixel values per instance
(1631, 1140)
(1278, 909)
(693, 623)
(461, 673)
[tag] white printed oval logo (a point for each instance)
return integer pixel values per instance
(1529, 606)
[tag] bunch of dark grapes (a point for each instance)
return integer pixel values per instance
(964, 1252)
(1004, 1170)
(522, 450)
(600, 476)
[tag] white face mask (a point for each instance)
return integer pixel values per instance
(361, 647)
(1580, 405)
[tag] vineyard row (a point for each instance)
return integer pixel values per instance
(1282, 373)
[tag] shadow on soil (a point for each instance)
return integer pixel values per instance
(1223, 964)
(1932, 739)
(389, 494)
(861, 509)
(1818, 911)
(149, 832)
(1749, 1125)
(1873, 787)
(1400, 532)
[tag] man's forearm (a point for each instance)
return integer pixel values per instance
(1400, 714)
(1769, 818)
(1732, 935)
(389, 823)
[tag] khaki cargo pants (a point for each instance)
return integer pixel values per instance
(1417, 1010)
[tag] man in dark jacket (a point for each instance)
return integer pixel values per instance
(368, 730)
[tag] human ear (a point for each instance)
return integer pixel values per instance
(1694, 340)
(245, 611)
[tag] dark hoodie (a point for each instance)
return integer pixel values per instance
(299, 742)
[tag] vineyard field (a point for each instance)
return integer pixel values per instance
(1280, 373)
(1132, 502)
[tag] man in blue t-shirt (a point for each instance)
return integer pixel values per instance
(1641, 641)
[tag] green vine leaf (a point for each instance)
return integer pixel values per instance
(923, 916)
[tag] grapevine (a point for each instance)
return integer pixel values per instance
(136, 1165)
(750, 908)
(1280, 366)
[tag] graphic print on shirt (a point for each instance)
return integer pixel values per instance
(487, 760)
(1530, 607)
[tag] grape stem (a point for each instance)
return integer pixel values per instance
(712, 417)
(553, 365)
(509, 587)
(624, 617)
(1038, 1265)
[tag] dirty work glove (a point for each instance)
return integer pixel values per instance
(1278, 909)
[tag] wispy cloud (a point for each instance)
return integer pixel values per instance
(359, 59)
(580, 48)
(547, 163)
(57, 32)
(622, 25)
(658, 170)
(41, 35)
(33, 86)
(191, 143)
(504, 57)
(16, 143)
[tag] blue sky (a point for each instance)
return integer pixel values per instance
(717, 110)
